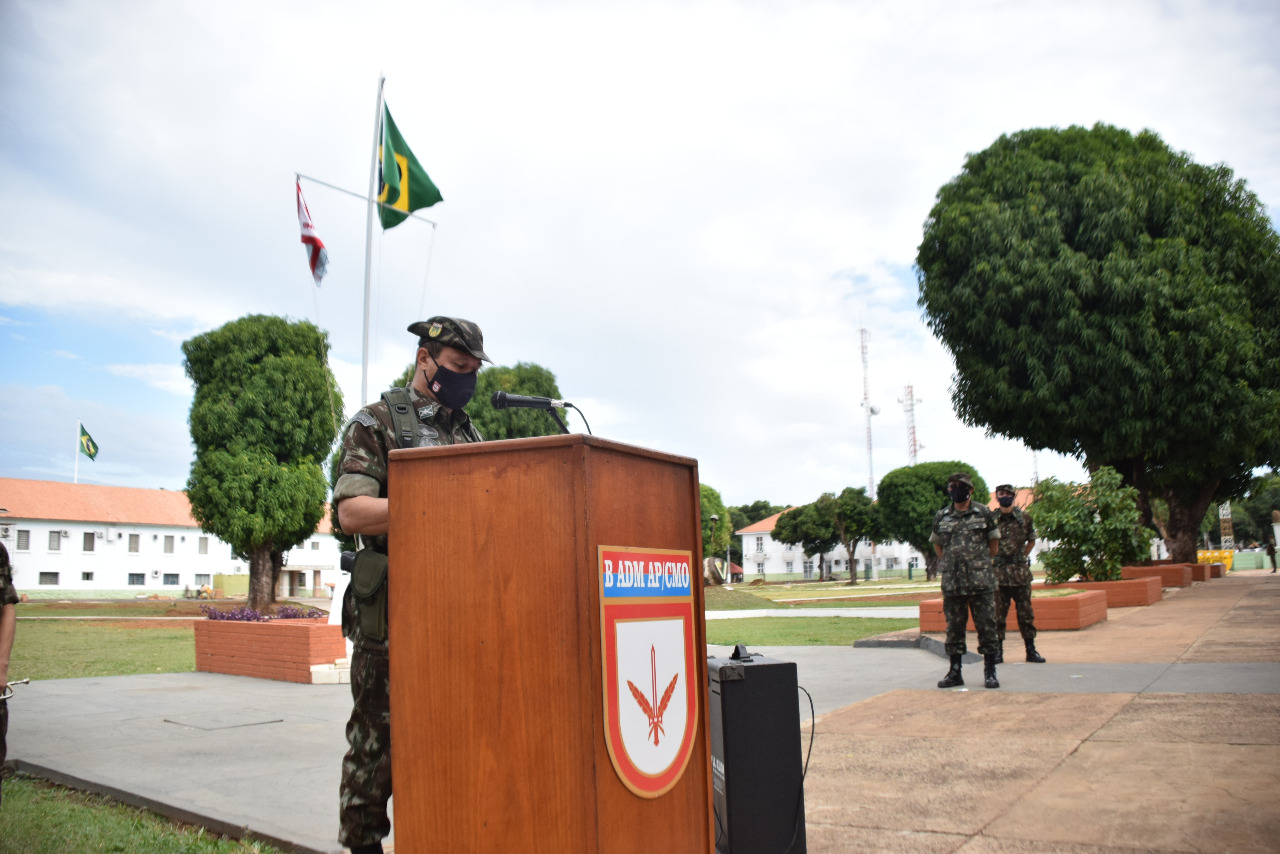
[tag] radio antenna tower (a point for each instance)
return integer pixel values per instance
(908, 402)
(871, 410)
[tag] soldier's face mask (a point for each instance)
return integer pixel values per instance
(1005, 500)
(959, 493)
(451, 388)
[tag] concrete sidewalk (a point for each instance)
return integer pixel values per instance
(1157, 730)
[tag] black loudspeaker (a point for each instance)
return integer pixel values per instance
(757, 771)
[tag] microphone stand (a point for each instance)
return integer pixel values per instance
(564, 428)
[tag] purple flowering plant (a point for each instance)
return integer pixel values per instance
(245, 614)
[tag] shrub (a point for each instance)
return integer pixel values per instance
(1095, 525)
(245, 614)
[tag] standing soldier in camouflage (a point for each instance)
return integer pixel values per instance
(965, 538)
(8, 623)
(429, 411)
(1013, 572)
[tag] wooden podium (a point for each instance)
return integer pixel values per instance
(500, 574)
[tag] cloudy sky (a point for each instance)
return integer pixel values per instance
(686, 210)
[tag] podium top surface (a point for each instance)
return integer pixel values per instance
(539, 443)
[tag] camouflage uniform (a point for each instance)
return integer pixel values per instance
(1013, 573)
(366, 768)
(968, 582)
(8, 598)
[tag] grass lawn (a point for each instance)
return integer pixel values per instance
(800, 631)
(67, 649)
(737, 599)
(41, 818)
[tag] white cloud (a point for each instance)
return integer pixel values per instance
(63, 354)
(170, 378)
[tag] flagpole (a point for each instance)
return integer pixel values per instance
(76, 479)
(368, 242)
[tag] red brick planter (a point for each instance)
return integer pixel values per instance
(1201, 572)
(284, 650)
(1217, 570)
(1170, 575)
(1122, 594)
(1055, 614)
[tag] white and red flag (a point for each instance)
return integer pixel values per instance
(317, 255)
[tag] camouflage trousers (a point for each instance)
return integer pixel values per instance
(366, 769)
(1021, 597)
(4, 750)
(957, 607)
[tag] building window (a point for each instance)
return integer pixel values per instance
(791, 566)
(808, 569)
(137, 579)
(759, 544)
(88, 541)
(133, 543)
(171, 579)
(55, 541)
(835, 564)
(204, 545)
(24, 540)
(202, 580)
(315, 545)
(49, 578)
(86, 576)
(759, 569)
(168, 544)
(791, 546)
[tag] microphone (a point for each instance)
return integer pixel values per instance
(502, 400)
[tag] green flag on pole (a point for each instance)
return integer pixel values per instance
(88, 447)
(405, 188)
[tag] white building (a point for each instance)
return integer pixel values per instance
(764, 557)
(69, 540)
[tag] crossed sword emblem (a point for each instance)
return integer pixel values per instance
(655, 717)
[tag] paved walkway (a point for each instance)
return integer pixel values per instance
(1157, 730)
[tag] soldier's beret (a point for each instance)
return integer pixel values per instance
(451, 332)
(1006, 487)
(961, 477)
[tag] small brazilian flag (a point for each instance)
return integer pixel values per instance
(405, 188)
(88, 447)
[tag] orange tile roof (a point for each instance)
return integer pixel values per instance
(87, 502)
(764, 526)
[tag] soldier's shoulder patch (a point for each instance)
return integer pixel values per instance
(364, 418)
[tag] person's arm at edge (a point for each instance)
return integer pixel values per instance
(365, 515)
(8, 626)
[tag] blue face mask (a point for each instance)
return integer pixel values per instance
(451, 388)
(1005, 500)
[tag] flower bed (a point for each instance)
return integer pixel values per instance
(1170, 575)
(1057, 613)
(1121, 594)
(302, 650)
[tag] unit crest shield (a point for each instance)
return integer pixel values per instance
(647, 638)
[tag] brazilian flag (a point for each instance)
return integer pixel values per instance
(405, 188)
(88, 447)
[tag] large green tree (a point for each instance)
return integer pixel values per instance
(811, 528)
(909, 498)
(715, 533)
(853, 517)
(266, 411)
(1108, 298)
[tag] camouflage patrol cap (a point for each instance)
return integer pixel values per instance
(961, 477)
(451, 332)
(1007, 487)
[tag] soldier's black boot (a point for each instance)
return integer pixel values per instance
(1032, 655)
(953, 677)
(990, 675)
(1000, 652)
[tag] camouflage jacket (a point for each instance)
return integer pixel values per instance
(966, 553)
(8, 595)
(1016, 530)
(370, 436)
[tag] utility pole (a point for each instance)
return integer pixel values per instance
(870, 410)
(908, 402)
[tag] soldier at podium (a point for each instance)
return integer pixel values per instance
(429, 411)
